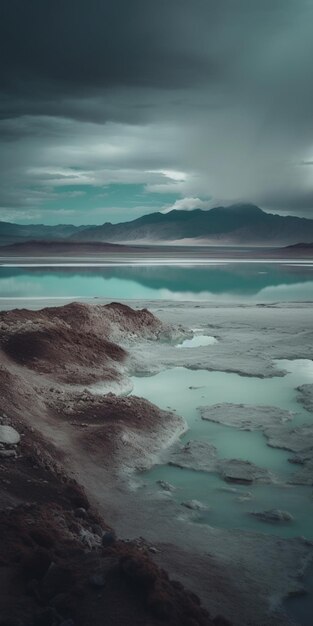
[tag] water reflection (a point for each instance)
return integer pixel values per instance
(226, 281)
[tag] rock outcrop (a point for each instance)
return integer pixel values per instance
(202, 456)
(77, 342)
(273, 516)
(244, 416)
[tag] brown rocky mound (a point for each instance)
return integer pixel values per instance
(119, 432)
(42, 350)
(62, 352)
(101, 320)
(75, 343)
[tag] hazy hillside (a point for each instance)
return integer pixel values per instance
(238, 224)
(16, 233)
(241, 224)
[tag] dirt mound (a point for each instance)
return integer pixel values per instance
(76, 343)
(116, 321)
(62, 352)
(98, 319)
(121, 432)
(139, 323)
(42, 350)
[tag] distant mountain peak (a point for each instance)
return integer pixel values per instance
(246, 208)
(239, 224)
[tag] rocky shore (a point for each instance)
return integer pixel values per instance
(67, 471)
(60, 564)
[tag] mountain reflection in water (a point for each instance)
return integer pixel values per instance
(221, 281)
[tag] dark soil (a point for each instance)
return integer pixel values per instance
(54, 568)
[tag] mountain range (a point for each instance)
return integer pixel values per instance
(239, 224)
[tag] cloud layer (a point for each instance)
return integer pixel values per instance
(194, 100)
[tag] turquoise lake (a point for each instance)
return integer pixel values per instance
(219, 281)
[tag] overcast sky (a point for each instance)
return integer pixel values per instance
(115, 108)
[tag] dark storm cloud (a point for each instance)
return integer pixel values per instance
(52, 51)
(220, 90)
(62, 51)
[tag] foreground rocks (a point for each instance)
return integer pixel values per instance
(243, 472)
(275, 423)
(306, 396)
(194, 505)
(245, 417)
(298, 440)
(8, 435)
(9, 440)
(197, 455)
(122, 433)
(273, 516)
(77, 343)
(201, 456)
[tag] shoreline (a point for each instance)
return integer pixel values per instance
(111, 494)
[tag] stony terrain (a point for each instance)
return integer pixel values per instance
(201, 456)
(245, 417)
(276, 427)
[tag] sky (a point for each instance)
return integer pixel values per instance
(111, 109)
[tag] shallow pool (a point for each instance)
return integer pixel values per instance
(184, 390)
(197, 341)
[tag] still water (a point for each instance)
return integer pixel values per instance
(219, 281)
(184, 390)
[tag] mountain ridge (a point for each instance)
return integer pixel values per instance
(237, 224)
(242, 224)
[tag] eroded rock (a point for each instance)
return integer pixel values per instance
(165, 485)
(196, 455)
(273, 516)
(9, 435)
(202, 456)
(195, 505)
(245, 417)
(243, 472)
(299, 439)
(306, 396)
(304, 476)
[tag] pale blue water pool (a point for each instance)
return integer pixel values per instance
(184, 390)
(197, 341)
